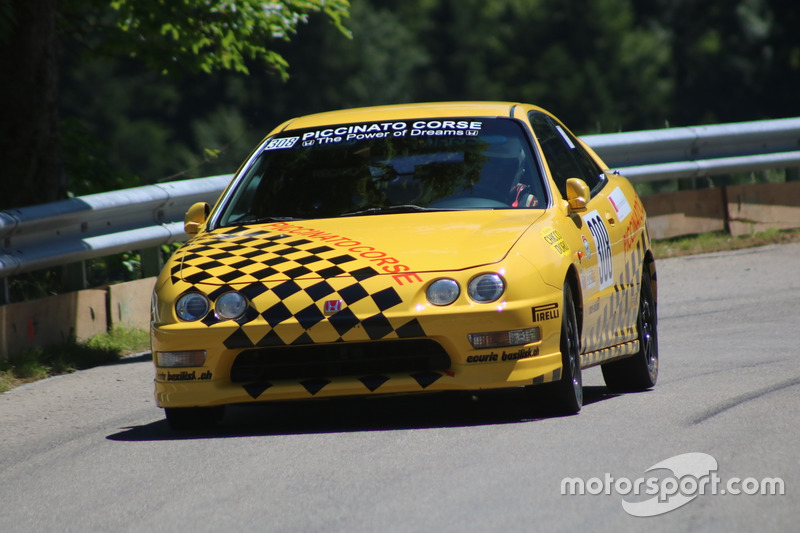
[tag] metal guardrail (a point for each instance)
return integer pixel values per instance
(72, 231)
(698, 151)
(97, 225)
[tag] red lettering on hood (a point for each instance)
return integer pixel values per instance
(388, 264)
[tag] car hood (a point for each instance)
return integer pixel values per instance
(361, 246)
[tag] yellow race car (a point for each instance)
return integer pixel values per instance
(407, 249)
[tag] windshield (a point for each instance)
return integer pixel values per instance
(387, 167)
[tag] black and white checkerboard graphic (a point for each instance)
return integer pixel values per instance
(288, 282)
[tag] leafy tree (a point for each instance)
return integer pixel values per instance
(588, 62)
(216, 35)
(188, 36)
(605, 65)
(732, 60)
(29, 141)
(379, 65)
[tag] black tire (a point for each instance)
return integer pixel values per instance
(194, 418)
(568, 391)
(638, 372)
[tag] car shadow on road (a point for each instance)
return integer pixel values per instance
(346, 415)
(139, 357)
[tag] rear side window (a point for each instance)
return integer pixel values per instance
(564, 155)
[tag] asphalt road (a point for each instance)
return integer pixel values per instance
(91, 452)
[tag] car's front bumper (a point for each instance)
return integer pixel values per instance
(442, 358)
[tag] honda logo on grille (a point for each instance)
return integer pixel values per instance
(333, 306)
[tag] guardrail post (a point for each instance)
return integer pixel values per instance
(74, 276)
(151, 262)
(5, 298)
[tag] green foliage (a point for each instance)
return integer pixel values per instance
(208, 35)
(225, 139)
(602, 66)
(120, 127)
(125, 266)
(732, 59)
(26, 365)
(7, 20)
(87, 161)
(33, 285)
(384, 53)
(121, 114)
(38, 363)
(587, 62)
(719, 241)
(120, 340)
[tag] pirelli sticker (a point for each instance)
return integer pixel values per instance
(545, 312)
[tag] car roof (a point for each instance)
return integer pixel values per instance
(403, 111)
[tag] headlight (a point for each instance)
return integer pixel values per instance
(192, 306)
(230, 306)
(443, 292)
(486, 288)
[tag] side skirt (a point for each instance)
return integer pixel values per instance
(611, 353)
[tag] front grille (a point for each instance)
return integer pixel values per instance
(339, 359)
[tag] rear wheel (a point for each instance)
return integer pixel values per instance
(183, 418)
(638, 372)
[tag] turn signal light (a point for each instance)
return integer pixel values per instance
(179, 359)
(515, 337)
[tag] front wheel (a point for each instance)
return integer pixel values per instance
(639, 372)
(568, 391)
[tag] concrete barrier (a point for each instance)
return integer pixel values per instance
(53, 319)
(76, 315)
(756, 208)
(685, 212)
(738, 209)
(129, 304)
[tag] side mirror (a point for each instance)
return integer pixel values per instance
(578, 194)
(195, 217)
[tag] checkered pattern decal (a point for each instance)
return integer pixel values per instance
(287, 281)
(617, 318)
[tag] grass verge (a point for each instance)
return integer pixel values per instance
(63, 358)
(719, 242)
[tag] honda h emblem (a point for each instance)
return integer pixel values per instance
(333, 306)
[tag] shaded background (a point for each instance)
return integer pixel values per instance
(601, 66)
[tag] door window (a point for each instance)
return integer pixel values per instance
(564, 155)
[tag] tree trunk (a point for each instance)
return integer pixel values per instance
(30, 147)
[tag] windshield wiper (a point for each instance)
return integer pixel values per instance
(407, 208)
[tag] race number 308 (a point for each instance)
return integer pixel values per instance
(281, 143)
(603, 244)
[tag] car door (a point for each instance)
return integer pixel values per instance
(598, 230)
